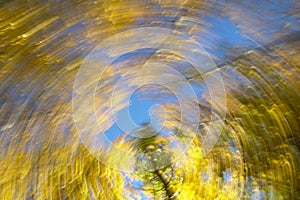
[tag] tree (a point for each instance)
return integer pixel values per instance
(153, 163)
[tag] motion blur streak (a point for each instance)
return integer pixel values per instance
(255, 46)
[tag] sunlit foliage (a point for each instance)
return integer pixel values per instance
(42, 45)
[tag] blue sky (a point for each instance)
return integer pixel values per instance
(223, 32)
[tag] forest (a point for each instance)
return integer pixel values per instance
(149, 99)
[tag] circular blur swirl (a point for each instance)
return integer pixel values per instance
(142, 82)
(92, 73)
